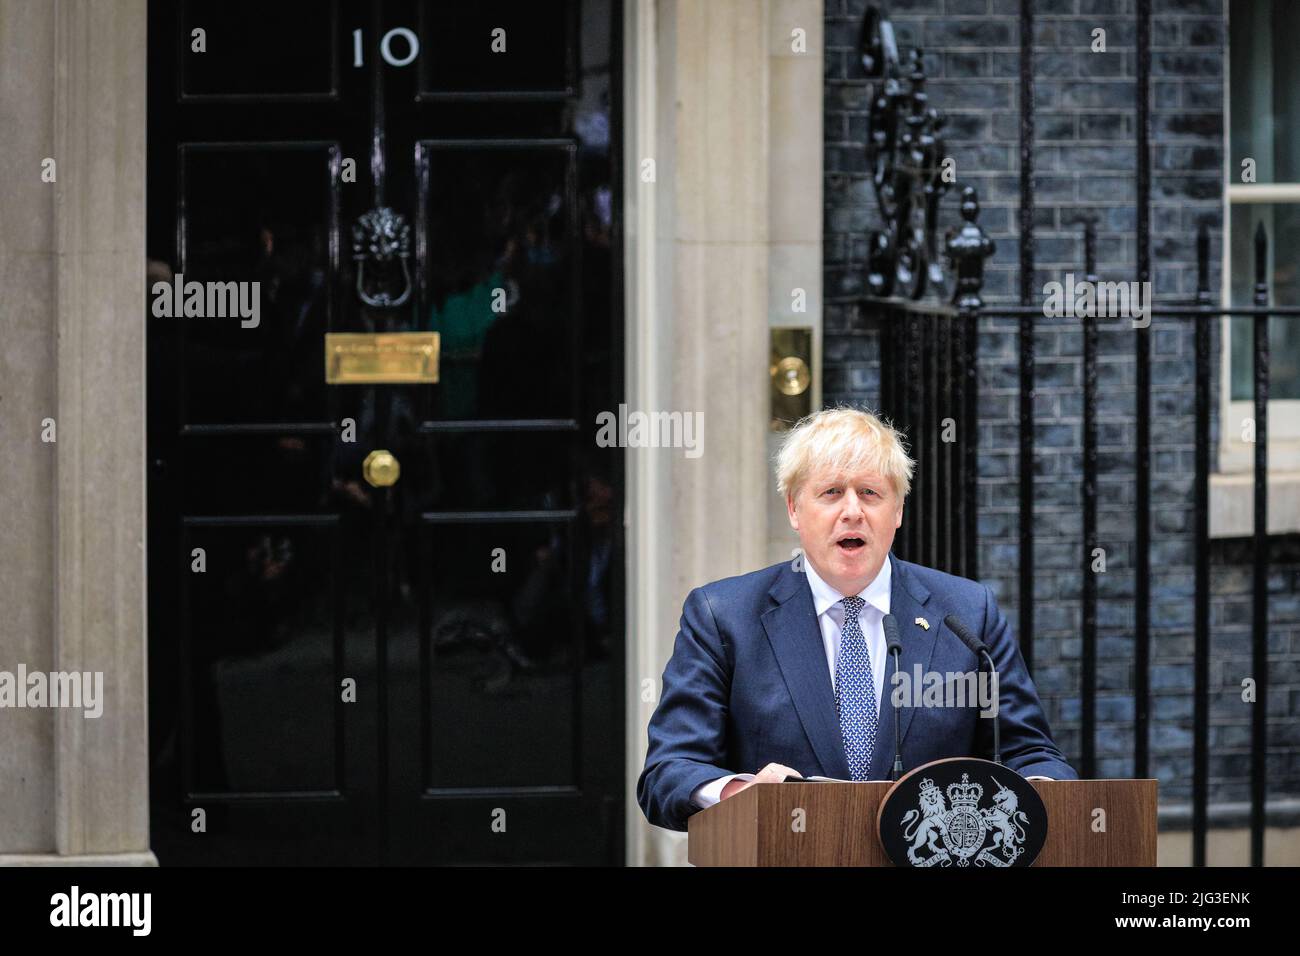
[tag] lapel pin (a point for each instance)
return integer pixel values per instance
(923, 622)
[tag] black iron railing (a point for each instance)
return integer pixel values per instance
(928, 380)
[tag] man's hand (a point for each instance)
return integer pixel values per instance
(772, 773)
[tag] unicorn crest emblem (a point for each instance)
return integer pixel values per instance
(957, 830)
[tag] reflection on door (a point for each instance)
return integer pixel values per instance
(385, 618)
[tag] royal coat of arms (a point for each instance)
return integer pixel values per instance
(977, 820)
(964, 829)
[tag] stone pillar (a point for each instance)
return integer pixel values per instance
(700, 258)
(72, 574)
(795, 147)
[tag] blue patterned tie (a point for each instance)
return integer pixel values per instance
(855, 692)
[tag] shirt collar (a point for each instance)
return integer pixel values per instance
(826, 597)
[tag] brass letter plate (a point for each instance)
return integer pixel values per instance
(381, 358)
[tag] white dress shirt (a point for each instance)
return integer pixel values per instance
(830, 617)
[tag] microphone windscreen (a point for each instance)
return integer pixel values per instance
(892, 640)
(955, 624)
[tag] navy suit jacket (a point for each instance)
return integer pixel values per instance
(748, 684)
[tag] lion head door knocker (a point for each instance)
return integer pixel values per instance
(380, 239)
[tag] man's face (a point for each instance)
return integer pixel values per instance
(846, 525)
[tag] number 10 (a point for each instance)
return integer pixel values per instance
(386, 47)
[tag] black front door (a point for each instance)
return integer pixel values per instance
(385, 619)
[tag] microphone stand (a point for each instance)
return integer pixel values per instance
(997, 732)
(895, 645)
(896, 651)
(981, 652)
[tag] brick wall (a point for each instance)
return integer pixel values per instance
(1084, 163)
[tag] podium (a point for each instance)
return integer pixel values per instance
(755, 827)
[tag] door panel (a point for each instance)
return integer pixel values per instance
(268, 211)
(264, 648)
(504, 649)
(541, 39)
(258, 50)
(496, 225)
(428, 671)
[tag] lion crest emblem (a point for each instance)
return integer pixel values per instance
(957, 830)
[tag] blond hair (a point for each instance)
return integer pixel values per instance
(845, 440)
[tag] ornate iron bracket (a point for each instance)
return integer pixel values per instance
(905, 153)
(379, 237)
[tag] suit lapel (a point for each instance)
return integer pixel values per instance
(796, 640)
(907, 598)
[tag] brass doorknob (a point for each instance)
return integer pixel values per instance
(381, 469)
(791, 375)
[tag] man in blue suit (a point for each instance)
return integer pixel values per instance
(782, 672)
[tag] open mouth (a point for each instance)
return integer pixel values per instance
(850, 544)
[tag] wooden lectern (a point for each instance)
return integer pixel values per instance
(754, 827)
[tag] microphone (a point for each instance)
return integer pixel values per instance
(964, 633)
(895, 646)
(979, 649)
